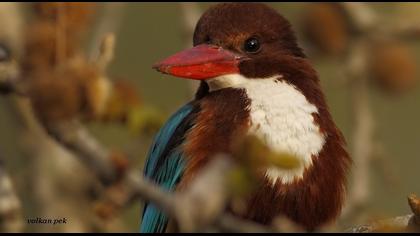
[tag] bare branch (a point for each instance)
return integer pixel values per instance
(106, 52)
(361, 15)
(407, 223)
(406, 30)
(11, 41)
(10, 44)
(190, 15)
(414, 203)
(231, 224)
(399, 223)
(75, 138)
(209, 191)
(10, 207)
(109, 23)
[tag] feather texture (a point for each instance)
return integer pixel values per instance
(165, 164)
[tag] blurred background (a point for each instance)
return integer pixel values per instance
(367, 57)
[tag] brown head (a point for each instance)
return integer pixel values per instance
(251, 39)
(252, 30)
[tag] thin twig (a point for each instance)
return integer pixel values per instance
(11, 219)
(10, 207)
(74, 137)
(363, 130)
(361, 16)
(362, 19)
(106, 53)
(110, 22)
(398, 223)
(406, 223)
(230, 224)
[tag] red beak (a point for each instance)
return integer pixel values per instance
(201, 62)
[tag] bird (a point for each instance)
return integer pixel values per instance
(253, 79)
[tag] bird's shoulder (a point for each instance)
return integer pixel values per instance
(169, 137)
(165, 163)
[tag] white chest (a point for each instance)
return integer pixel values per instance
(282, 117)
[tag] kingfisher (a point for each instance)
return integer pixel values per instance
(254, 79)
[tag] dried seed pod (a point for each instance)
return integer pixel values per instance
(40, 46)
(71, 91)
(62, 84)
(75, 15)
(326, 27)
(392, 66)
(94, 86)
(55, 33)
(55, 99)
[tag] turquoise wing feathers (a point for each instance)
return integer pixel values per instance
(165, 165)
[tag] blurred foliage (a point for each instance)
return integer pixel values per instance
(256, 155)
(253, 156)
(145, 120)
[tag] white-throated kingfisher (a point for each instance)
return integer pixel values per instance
(255, 79)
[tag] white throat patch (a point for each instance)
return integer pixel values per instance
(282, 117)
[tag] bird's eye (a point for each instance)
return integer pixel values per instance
(252, 45)
(207, 40)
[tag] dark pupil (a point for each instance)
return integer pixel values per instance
(207, 40)
(252, 45)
